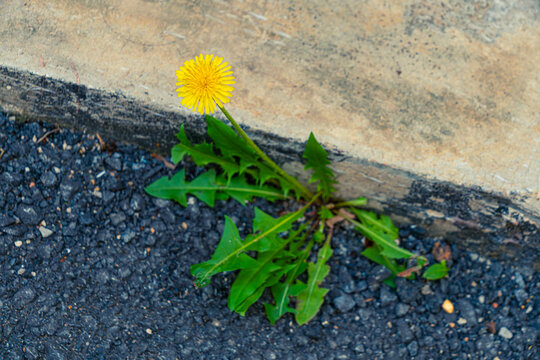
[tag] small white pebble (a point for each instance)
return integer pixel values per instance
(45, 232)
(473, 256)
(18, 243)
(56, 170)
(33, 273)
(482, 299)
(505, 333)
(21, 271)
(191, 200)
(461, 321)
(149, 331)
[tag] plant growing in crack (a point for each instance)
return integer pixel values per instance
(276, 254)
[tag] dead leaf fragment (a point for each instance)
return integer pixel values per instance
(491, 326)
(333, 221)
(408, 272)
(344, 213)
(441, 252)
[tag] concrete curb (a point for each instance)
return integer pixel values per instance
(505, 227)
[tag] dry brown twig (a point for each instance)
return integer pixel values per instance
(165, 162)
(57, 129)
(101, 142)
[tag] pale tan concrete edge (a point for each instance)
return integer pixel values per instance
(495, 225)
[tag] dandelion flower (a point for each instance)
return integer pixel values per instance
(204, 82)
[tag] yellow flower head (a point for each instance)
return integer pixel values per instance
(204, 82)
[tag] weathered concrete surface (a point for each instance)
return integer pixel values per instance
(447, 91)
(489, 224)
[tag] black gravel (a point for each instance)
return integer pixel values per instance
(93, 268)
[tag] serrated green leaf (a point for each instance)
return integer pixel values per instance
(325, 213)
(227, 257)
(317, 159)
(250, 283)
(264, 223)
(207, 188)
(239, 189)
(202, 154)
(271, 280)
(381, 231)
(176, 188)
(231, 247)
(310, 299)
(436, 271)
(380, 223)
(283, 291)
(233, 147)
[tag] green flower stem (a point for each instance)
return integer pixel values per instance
(306, 194)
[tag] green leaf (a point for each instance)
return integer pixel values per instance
(230, 253)
(227, 257)
(325, 213)
(317, 159)
(239, 189)
(374, 254)
(176, 188)
(381, 231)
(202, 154)
(207, 188)
(266, 224)
(282, 291)
(381, 224)
(249, 300)
(436, 271)
(361, 201)
(233, 147)
(310, 299)
(250, 283)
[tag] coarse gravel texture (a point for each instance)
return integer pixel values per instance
(93, 268)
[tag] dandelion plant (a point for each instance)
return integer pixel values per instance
(275, 256)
